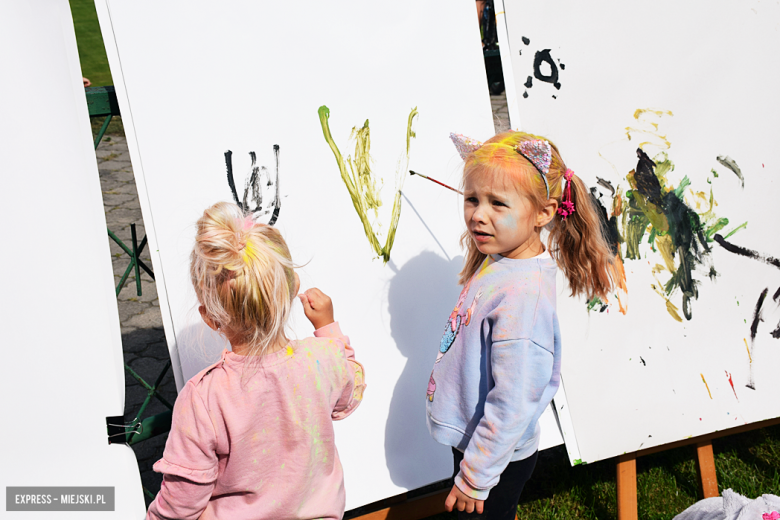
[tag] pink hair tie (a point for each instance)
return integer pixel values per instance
(567, 206)
(249, 223)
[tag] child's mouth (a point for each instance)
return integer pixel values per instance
(480, 236)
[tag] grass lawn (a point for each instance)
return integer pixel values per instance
(667, 483)
(92, 55)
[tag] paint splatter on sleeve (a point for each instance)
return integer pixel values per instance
(352, 374)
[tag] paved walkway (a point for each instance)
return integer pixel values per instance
(143, 339)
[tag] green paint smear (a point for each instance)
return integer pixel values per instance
(741, 226)
(361, 183)
(579, 462)
(593, 302)
(672, 228)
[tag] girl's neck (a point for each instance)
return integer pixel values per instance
(244, 349)
(533, 247)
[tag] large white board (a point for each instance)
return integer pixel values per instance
(62, 349)
(197, 79)
(697, 81)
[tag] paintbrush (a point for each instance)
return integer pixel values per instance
(437, 182)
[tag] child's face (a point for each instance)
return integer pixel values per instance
(500, 220)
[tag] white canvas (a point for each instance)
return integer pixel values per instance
(62, 349)
(195, 80)
(644, 379)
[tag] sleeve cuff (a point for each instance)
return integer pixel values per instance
(329, 331)
(466, 489)
(200, 476)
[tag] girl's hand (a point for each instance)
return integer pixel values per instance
(463, 502)
(317, 307)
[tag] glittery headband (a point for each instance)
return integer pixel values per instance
(465, 145)
(538, 153)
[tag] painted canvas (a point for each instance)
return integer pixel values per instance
(668, 111)
(62, 348)
(310, 116)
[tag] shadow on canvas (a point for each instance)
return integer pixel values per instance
(420, 298)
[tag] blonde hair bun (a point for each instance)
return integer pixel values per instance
(243, 276)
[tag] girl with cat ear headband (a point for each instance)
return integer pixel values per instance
(514, 185)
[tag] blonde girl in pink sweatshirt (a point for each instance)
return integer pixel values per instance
(252, 435)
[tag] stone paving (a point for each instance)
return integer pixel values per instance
(143, 338)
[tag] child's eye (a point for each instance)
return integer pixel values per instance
(498, 203)
(471, 200)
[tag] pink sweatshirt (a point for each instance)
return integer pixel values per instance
(259, 444)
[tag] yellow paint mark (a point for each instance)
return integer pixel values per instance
(748, 349)
(666, 248)
(650, 128)
(705, 384)
(290, 350)
(670, 307)
(641, 111)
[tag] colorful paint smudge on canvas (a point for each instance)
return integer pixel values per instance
(654, 218)
(362, 184)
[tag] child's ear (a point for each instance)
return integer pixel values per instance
(547, 213)
(206, 319)
(297, 283)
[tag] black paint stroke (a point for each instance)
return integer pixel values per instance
(543, 56)
(731, 164)
(231, 182)
(609, 225)
(277, 203)
(529, 82)
(685, 229)
(606, 184)
(646, 181)
(642, 360)
(748, 253)
(253, 187)
(757, 316)
(776, 333)
(526, 40)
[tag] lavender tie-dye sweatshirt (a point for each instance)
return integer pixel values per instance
(497, 369)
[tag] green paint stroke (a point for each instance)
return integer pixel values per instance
(361, 183)
(680, 232)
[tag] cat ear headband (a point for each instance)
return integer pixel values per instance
(536, 151)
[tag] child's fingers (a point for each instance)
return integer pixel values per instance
(317, 298)
(480, 506)
(305, 302)
(450, 501)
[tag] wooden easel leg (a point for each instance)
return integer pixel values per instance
(626, 487)
(705, 464)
